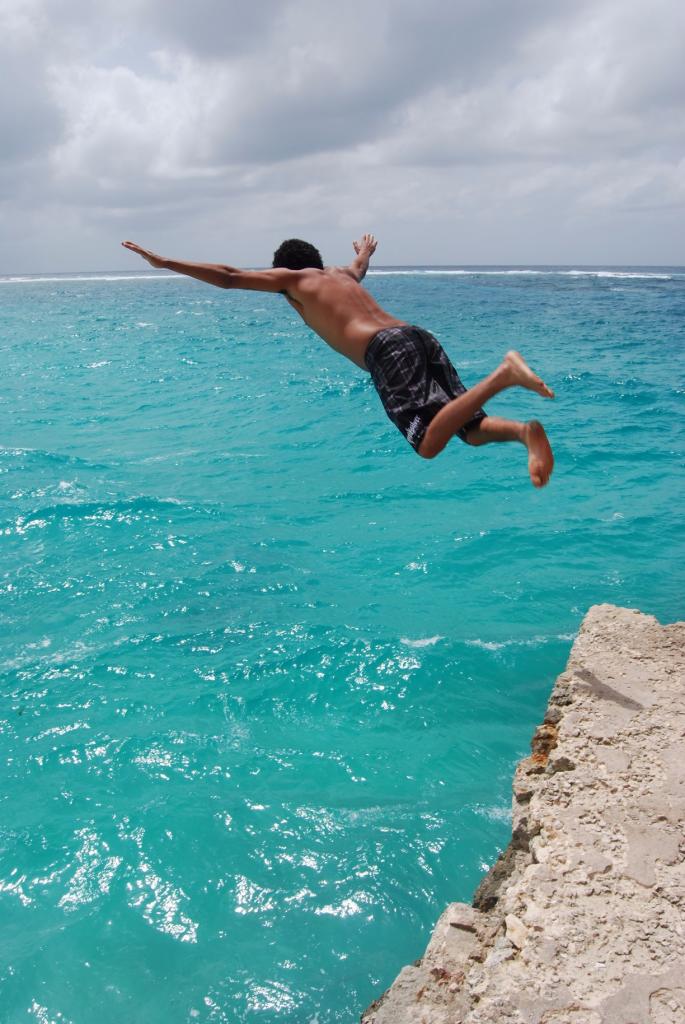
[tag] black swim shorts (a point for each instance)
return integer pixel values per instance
(415, 379)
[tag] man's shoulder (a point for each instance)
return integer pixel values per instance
(343, 274)
(312, 280)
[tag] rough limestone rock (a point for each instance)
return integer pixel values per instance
(582, 918)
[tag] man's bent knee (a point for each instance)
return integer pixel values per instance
(428, 449)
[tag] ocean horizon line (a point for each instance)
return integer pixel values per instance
(620, 270)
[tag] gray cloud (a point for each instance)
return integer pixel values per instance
(474, 131)
(214, 29)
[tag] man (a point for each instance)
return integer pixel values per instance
(418, 386)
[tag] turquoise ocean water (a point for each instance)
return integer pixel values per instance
(265, 672)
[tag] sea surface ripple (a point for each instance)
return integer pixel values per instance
(265, 673)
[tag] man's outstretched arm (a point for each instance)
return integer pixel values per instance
(364, 248)
(276, 280)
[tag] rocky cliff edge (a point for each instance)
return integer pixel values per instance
(582, 918)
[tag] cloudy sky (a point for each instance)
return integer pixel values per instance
(459, 131)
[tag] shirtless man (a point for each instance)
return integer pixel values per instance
(418, 386)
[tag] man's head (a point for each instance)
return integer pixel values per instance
(297, 255)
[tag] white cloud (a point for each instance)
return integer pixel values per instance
(475, 131)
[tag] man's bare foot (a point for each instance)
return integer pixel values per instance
(521, 374)
(540, 457)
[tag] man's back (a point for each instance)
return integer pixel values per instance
(334, 304)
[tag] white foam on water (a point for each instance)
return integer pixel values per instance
(68, 278)
(428, 641)
(524, 272)
(535, 641)
(494, 813)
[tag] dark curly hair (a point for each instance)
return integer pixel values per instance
(297, 255)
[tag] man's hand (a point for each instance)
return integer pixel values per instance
(153, 259)
(366, 246)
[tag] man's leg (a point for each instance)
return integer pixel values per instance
(532, 435)
(494, 428)
(513, 371)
